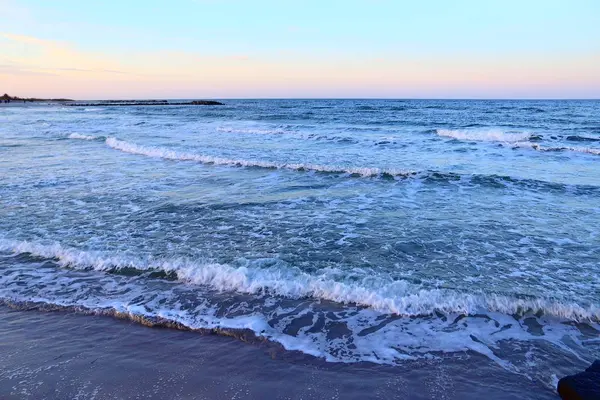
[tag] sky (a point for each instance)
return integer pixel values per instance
(100, 49)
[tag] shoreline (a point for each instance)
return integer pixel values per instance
(61, 354)
(111, 103)
(30, 104)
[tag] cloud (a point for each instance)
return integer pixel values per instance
(33, 55)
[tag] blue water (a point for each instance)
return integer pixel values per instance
(351, 230)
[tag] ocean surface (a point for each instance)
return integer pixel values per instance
(377, 231)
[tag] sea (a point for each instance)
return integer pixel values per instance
(347, 232)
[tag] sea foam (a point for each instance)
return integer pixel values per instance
(168, 154)
(577, 149)
(513, 139)
(82, 137)
(485, 135)
(255, 131)
(380, 293)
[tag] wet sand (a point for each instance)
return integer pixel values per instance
(59, 355)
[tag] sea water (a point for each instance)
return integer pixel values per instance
(350, 230)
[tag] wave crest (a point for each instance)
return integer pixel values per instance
(251, 131)
(377, 292)
(82, 137)
(164, 153)
(484, 135)
(514, 139)
(578, 149)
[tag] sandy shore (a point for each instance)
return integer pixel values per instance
(59, 355)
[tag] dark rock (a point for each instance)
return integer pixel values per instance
(582, 386)
(206, 103)
(68, 102)
(6, 98)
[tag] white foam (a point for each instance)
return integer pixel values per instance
(588, 150)
(164, 153)
(370, 336)
(380, 293)
(82, 137)
(538, 147)
(484, 135)
(514, 139)
(251, 131)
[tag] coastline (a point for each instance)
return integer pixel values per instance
(58, 354)
(30, 104)
(109, 103)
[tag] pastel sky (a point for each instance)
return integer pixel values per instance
(347, 48)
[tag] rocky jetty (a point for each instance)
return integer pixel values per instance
(114, 103)
(206, 103)
(72, 103)
(5, 98)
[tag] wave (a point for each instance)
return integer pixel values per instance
(534, 109)
(427, 175)
(82, 137)
(147, 319)
(535, 146)
(575, 138)
(293, 130)
(380, 293)
(484, 135)
(588, 150)
(164, 153)
(514, 139)
(251, 131)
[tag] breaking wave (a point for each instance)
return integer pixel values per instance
(251, 131)
(484, 135)
(588, 150)
(380, 293)
(164, 153)
(513, 139)
(82, 137)
(535, 146)
(428, 175)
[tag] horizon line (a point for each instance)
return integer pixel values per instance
(350, 98)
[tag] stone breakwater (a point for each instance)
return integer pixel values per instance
(112, 103)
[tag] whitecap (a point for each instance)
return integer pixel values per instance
(168, 154)
(82, 137)
(380, 293)
(484, 135)
(535, 146)
(251, 131)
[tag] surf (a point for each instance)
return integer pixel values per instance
(484, 135)
(168, 154)
(379, 292)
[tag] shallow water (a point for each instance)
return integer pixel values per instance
(62, 355)
(372, 230)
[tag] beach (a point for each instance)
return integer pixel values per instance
(66, 355)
